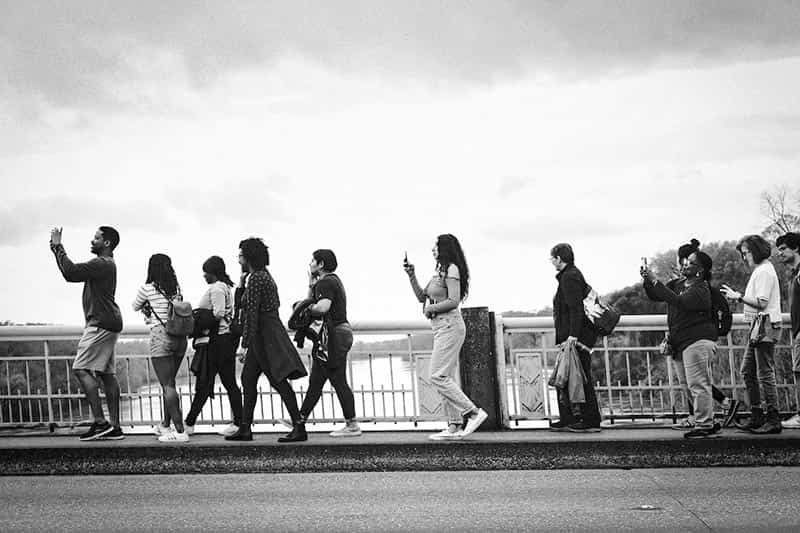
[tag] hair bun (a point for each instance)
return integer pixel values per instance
(695, 244)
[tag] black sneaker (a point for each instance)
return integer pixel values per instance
(115, 434)
(97, 430)
(733, 408)
(704, 433)
(560, 425)
(582, 427)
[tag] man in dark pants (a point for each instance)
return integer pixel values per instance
(575, 329)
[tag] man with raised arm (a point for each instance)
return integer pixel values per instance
(95, 357)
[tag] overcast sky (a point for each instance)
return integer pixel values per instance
(624, 128)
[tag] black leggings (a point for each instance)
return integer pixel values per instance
(221, 352)
(250, 373)
(338, 376)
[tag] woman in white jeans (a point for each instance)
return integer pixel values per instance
(441, 297)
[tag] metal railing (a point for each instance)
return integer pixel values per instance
(37, 386)
(632, 379)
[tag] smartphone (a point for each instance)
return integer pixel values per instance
(644, 262)
(405, 259)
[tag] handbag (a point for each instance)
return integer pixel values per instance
(603, 316)
(758, 330)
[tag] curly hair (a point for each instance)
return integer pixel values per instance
(757, 245)
(161, 274)
(255, 252)
(451, 253)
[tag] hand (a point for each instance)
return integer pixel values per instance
(312, 278)
(646, 273)
(55, 236)
(409, 268)
(428, 311)
(729, 293)
(242, 355)
(572, 340)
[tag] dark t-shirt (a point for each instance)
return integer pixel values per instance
(331, 287)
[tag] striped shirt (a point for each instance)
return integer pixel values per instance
(148, 293)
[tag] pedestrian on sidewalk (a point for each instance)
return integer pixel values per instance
(574, 328)
(153, 299)
(265, 341)
(95, 359)
(441, 297)
(219, 346)
(789, 254)
(762, 310)
(329, 360)
(693, 334)
(676, 285)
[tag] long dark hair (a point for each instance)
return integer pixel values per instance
(216, 265)
(161, 274)
(450, 253)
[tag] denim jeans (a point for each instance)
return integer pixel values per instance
(758, 371)
(697, 363)
(449, 332)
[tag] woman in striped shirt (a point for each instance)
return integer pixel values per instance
(166, 351)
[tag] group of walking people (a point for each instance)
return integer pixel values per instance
(225, 319)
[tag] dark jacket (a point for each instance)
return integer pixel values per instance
(794, 301)
(568, 314)
(688, 311)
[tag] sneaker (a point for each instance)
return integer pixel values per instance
(159, 430)
(446, 434)
(115, 434)
(704, 433)
(174, 436)
(686, 423)
(346, 431)
(792, 423)
(756, 420)
(582, 427)
(188, 429)
(474, 422)
(560, 425)
(730, 413)
(230, 429)
(97, 430)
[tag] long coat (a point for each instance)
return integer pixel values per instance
(272, 347)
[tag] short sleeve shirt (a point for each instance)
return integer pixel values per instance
(330, 287)
(764, 285)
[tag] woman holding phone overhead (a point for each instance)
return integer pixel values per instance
(441, 298)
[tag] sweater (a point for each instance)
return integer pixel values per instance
(689, 315)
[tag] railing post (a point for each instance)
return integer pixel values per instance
(50, 422)
(478, 364)
(500, 358)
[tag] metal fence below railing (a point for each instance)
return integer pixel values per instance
(632, 381)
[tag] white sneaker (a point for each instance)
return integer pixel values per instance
(346, 431)
(230, 429)
(188, 429)
(474, 422)
(792, 423)
(174, 436)
(686, 423)
(159, 430)
(446, 434)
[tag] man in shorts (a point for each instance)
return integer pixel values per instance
(789, 254)
(95, 357)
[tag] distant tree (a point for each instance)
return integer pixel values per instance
(781, 207)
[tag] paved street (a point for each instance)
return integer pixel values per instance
(718, 499)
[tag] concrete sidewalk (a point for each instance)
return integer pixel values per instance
(395, 451)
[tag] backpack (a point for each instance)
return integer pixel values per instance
(180, 320)
(603, 316)
(720, 312)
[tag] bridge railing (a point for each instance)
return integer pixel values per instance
(632, 379)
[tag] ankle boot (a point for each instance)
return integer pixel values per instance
(772, 424)
(756, 420)
(298, 434)
(244, 433)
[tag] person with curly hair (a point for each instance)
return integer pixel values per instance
(441, 298)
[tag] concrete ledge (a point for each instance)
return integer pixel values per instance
(510, 450)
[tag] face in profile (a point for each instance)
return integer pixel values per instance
(98, 242)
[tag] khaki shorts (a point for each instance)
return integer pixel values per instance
(796, 353)
(96, 351)
(162, 344)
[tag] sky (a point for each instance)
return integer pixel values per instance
(622, 127)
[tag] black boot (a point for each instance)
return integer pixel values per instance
(756, 420)
(244, 433)
(772, 424)
(298, 433)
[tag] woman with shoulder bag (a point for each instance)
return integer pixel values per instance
(762, 310)
(166, 351)
(441, 298)
(218, 343)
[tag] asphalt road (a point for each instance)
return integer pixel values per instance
(708, 499)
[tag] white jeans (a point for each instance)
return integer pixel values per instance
(448, 337)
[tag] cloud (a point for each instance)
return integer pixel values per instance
(28, 218)
(80, 54)
(548, 229)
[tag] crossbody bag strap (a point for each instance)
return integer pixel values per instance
(169, 304)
